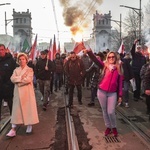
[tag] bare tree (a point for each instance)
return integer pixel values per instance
(146, 29)
(131, 26)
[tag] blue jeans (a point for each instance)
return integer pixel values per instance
(108, 103)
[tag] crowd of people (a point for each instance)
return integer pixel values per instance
(106, 74)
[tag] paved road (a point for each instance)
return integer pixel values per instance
(43, 135)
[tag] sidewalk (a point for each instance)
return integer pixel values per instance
(43, 133)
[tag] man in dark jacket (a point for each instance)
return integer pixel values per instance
(7, 65)
(43, 70)
(128, 75)
(87, 63)
(58, 72)
(75, 72)
(146, 85)
(138, 60)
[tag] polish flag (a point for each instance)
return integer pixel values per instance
(33, 49)
(79, 46)
(53, 49)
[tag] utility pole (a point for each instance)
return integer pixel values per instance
(139, 12)
(7, 21)
(120, 25)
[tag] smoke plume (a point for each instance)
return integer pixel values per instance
(78, 14)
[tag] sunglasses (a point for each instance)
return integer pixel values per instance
(73, 57)
(111, 57)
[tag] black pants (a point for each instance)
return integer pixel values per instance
(148, 103)
(86, 80)
(93, 94)
(138, 85)
(9, 101)
(71, 91)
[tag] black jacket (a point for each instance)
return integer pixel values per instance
(40, 71)
(127, 69)
(138, 60)
(7, 65)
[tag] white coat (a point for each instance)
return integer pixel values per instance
(24, 109)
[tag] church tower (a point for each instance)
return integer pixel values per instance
(102, 31)
(22, 30)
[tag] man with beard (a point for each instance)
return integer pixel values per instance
(75, 71)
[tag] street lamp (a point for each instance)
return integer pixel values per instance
(7, 21)
(5, 4)
(120, 25)
(138, 11)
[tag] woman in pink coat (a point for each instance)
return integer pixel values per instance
(109, 89)
(24, 109)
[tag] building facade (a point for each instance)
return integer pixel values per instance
(22, 30)
(102, 31)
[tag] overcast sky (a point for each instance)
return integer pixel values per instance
(43, 22)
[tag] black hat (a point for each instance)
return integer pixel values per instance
(46, 50)
(43, 52)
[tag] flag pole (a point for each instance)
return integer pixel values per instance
(47, 62)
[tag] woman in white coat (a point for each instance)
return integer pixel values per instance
(24, 109)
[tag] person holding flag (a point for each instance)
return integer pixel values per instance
(43, 69)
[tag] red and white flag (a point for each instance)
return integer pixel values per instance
(33, 49)
(121, 49)
(79, 46)
(53, 49)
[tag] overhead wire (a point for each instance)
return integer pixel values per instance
(88, 11)
(55, 17)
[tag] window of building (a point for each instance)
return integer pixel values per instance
(16, 20)
(106, 21)
(103, 21)
(104, 44)
(99, 21)
(20, 20)
(24, 20)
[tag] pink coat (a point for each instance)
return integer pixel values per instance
(111, 81)
(24, 109)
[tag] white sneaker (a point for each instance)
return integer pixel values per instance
(5, 104)
(42, 98)
(29, 129)
(48, 99)
(126, 105)
(11, 133)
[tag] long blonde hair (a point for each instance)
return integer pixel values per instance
(117, 62)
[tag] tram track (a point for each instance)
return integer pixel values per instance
(4, 125)
(71, 136)
(139, 131)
